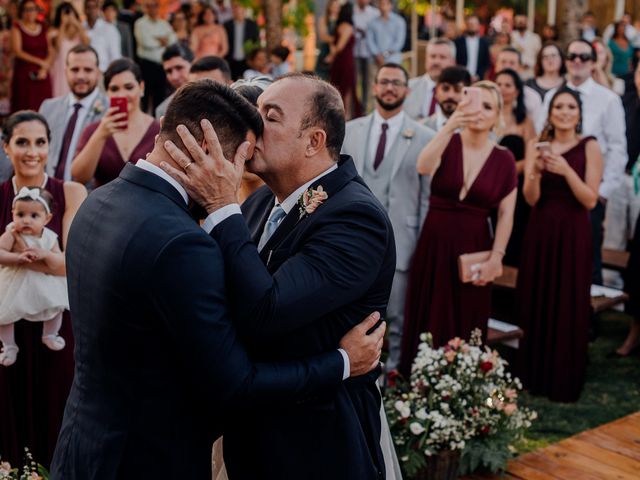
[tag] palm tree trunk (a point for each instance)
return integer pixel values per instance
(273, 17)
(573, 12)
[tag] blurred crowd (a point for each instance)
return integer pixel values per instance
(511, 147)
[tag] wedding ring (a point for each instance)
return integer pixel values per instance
(187, 166)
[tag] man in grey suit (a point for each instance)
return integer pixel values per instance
(385, 146)
(421, 103)
(67, 115)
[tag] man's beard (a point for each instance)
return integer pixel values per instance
(521, 28)
(389, 106)
(448, 111)
(82, 95)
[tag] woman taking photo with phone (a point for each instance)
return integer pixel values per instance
(562, 176)
(471, 176)
(125, 133)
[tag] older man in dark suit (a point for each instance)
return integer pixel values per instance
(313, 253)
(158, 362)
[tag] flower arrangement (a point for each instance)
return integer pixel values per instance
(29, 471)
(460, 399)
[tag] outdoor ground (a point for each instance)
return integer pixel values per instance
(612, 390)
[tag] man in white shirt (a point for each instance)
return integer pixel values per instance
(448, 94)
(153, 35)
(105, 38)
(527, 43)
(69, 114)
(363, 15)
(603, 117)
(421, 102)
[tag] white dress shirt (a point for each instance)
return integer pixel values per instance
(238, 41)
(603, 117)
(87, 103)
(105, 40)
(147, 32)
(473, 48)
(395, 125)
(361, 20)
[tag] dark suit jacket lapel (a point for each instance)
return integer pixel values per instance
(133, 174)
(331, 183)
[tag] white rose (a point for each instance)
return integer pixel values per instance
(416, 428)
(421, 414)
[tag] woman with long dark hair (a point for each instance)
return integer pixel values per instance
(561, 184)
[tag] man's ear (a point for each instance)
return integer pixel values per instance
(317, 142)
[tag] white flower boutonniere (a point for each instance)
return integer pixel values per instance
(311, 199)
(408, 133)
(98, 107)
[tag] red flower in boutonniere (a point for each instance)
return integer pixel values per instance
(311, 199)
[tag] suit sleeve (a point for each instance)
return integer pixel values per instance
(337, 264)
(189, 292)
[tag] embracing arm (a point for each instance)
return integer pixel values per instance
(329, 271)
(188, 291)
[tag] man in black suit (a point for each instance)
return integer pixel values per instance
(239, 31)
(325, 256)
(472, 50)
(158, 363)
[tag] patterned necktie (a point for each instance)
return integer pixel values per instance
(276, 215)
(66, 142)
(382, 143)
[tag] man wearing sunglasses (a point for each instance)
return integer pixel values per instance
(602, 117)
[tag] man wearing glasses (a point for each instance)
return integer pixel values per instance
(386, 160)
(602, 117)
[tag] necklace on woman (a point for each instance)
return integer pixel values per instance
(15, 186)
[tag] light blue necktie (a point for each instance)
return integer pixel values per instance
(276, 215)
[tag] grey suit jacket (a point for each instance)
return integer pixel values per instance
(419, 96)
(55, 110)
(409, 193)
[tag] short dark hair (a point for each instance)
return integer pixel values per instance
(177, 50)
(519, 110)
(230, 114)
(324, 110)
(594, 52)
(397, 66)
(251, 56)
(281, 52)
(345, 14)
(538, 70)
(127, 4)
(209, 63)
(109, 3)
(22, 4)
(19, 117)
(205, 7)
(122, 65)
(78, 49)
(512, 50)
(454, 75)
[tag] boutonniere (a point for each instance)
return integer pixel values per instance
(98, 107)
(311, 199)
(408, 133)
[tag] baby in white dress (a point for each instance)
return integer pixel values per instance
(27, 293)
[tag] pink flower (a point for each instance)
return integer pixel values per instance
(510, 408)
(455, 343)
(510, 393)
(312, 199)
(450, 355)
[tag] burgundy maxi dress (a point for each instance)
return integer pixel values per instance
(34, 390)
(554, 281)
(437, 301)
(28, 93)
(342, 74)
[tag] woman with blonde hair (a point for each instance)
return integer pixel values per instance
(471, 176)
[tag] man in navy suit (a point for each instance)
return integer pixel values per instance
(158, 362)
(313, 253)
(472, 50)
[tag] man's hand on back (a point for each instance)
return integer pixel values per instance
(364, 350)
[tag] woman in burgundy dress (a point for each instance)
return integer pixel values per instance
(561, 184)
(107, 145)
(31, 84)
(342, 72)
(35, 388)
(471, 175)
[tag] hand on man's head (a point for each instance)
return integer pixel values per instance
(211, 180)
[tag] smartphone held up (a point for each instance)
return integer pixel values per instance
(472, 97)
(121, 104)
